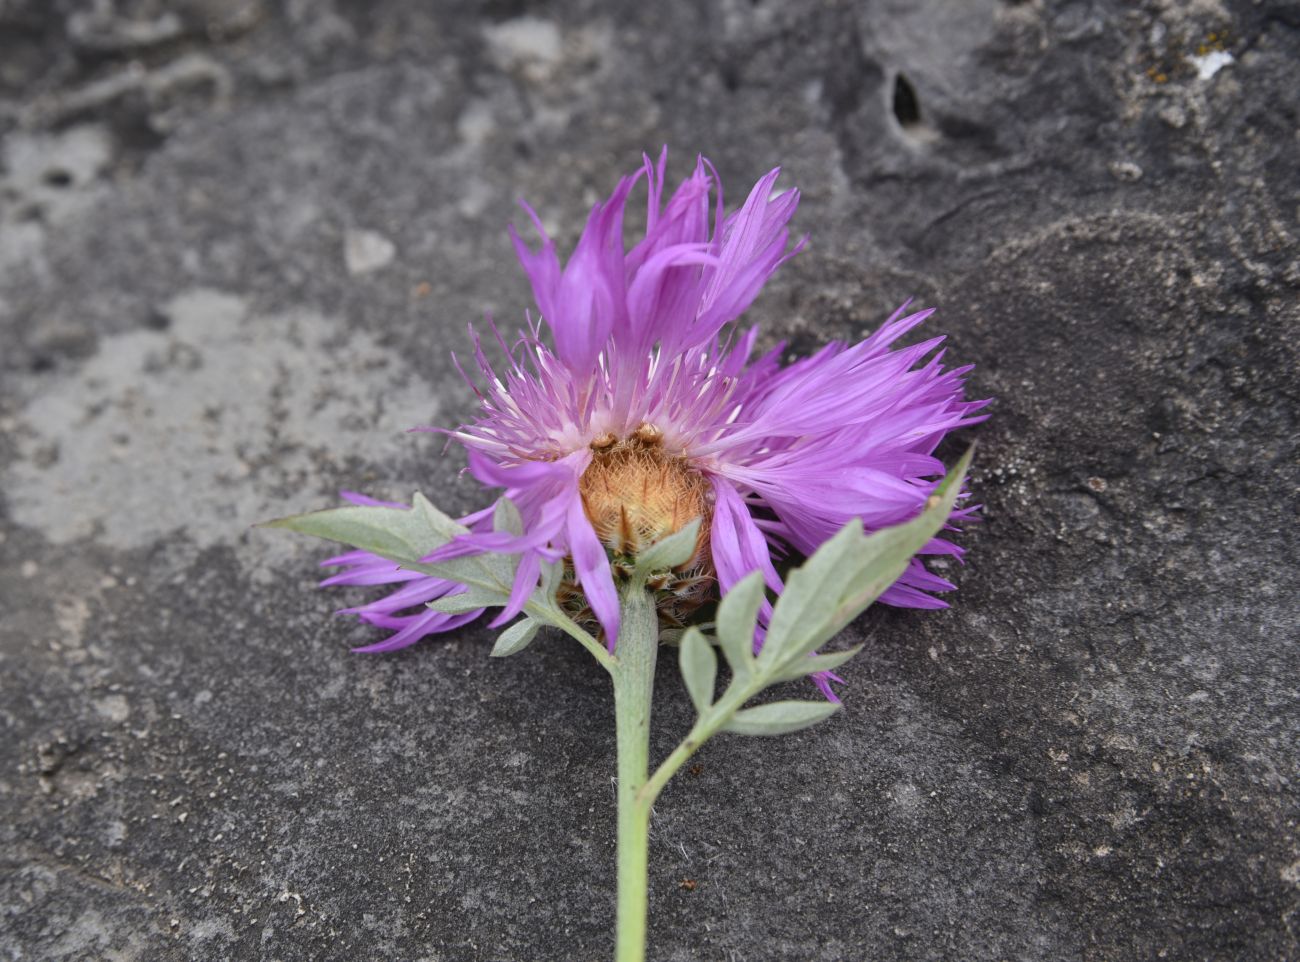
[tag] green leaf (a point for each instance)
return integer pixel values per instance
(737, 618)
(443, 525)
(949, 489)
(886, 553)
(799, 667)
(403, 536)
(674, 550)
(699, 669)
(471, 599)
(847, 574)
(515, 638)
(506, 517)
(552, 575)
(812, 590)
(779, 718)
(492, 572)
(673, 636)
(408, 536)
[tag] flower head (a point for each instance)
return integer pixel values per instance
(649, 410)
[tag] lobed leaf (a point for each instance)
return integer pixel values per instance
(491, 572)
(404, 536)
(407, 537)
(812, 590)
(886, 553)
(848, 573)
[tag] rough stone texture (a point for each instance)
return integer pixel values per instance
(237, 241)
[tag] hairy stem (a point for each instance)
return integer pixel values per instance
(552, 615)
(706, 726)
(634, 675)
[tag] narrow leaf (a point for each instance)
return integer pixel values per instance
(515, 638)
(491, 572)
(471, 599)
(737, 618)
(441, 524)
(552, 575)
(674, 550)
(950, 487)
(406, 537)
(799, 667)
(886, 553)
(506, 517)
(779, 718)
(699, 669)
(389, 532)
(859, 574)
(812, 590)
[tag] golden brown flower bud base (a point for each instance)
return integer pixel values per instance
(635, 494)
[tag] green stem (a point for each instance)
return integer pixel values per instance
(708, 725)
(669, 766)
(554, 616)
(634, 678)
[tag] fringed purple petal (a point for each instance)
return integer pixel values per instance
(737, 544)
(584, 302)
(526, 577)
(418, 627)
(592, 569)
(646, 335)
(823, 679)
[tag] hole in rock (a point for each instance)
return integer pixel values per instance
(57, 177)
(907, 108)
(157, 320)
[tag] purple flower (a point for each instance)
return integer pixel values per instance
(650, 411)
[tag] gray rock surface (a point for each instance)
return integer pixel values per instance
(238, 240)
